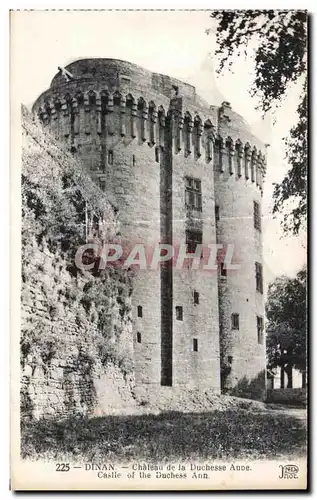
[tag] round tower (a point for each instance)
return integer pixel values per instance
(171, 164)
(239, 169)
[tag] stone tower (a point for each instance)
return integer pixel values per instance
(178, 171)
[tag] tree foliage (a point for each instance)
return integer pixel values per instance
(279, 39)
(287, 322)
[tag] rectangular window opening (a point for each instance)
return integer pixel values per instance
(259, 277)
(193, 238)
(196, 297)
(140, 312)
(257, 215)
(157, 154)
(133, 160)
(223, 270)
(138, 337)
(217, 213)
(260, 329)
(235, 321)
(195, 345)
(110, 157)
(193, 198)
(179, 313)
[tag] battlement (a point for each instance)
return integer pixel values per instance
(92, 98)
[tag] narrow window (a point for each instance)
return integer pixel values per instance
(259, 277)
(138, 337)
(257, 216)
(196, 297)
(110, 157)
(193, 238)
(157, 154)
(195, 345)
(260, 329)
(223, 270)
(133, 160)
(179, 313)
(217, 212)
(235, 321)
(230, 359)
(140, 312)
(193, 198)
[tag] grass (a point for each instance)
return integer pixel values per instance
(221, 435)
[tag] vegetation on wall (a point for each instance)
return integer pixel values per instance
(77, 317)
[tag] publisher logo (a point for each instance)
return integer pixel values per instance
(288, 472)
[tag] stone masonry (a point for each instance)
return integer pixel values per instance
(143, 138)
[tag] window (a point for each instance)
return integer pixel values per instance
(157, 154)
(179, 313)
(217, 212)
(193, 238)
(140, 312)
(133, 160)
(195, 345)
(235, 321)
(257, 216)
(259, 277)
(230, 359)
(110, 157)
(223, 270)
(193, 193)
(102, 185)
(138, 337)
(260, 329)
(196, 297)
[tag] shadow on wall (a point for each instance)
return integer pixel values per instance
(250, 388)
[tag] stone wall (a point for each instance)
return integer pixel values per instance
(68, 364)
(76, 326)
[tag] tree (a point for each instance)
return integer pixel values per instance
(287, 324)
(280, 59)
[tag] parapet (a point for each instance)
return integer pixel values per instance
(109, 96)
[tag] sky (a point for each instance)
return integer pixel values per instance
(173, 43)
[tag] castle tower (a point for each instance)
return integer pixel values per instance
(239, 172)
(156, 148)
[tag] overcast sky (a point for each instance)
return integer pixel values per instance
(174, 43)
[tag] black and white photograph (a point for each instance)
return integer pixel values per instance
(159, 176)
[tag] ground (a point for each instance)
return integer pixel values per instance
(248, 430)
